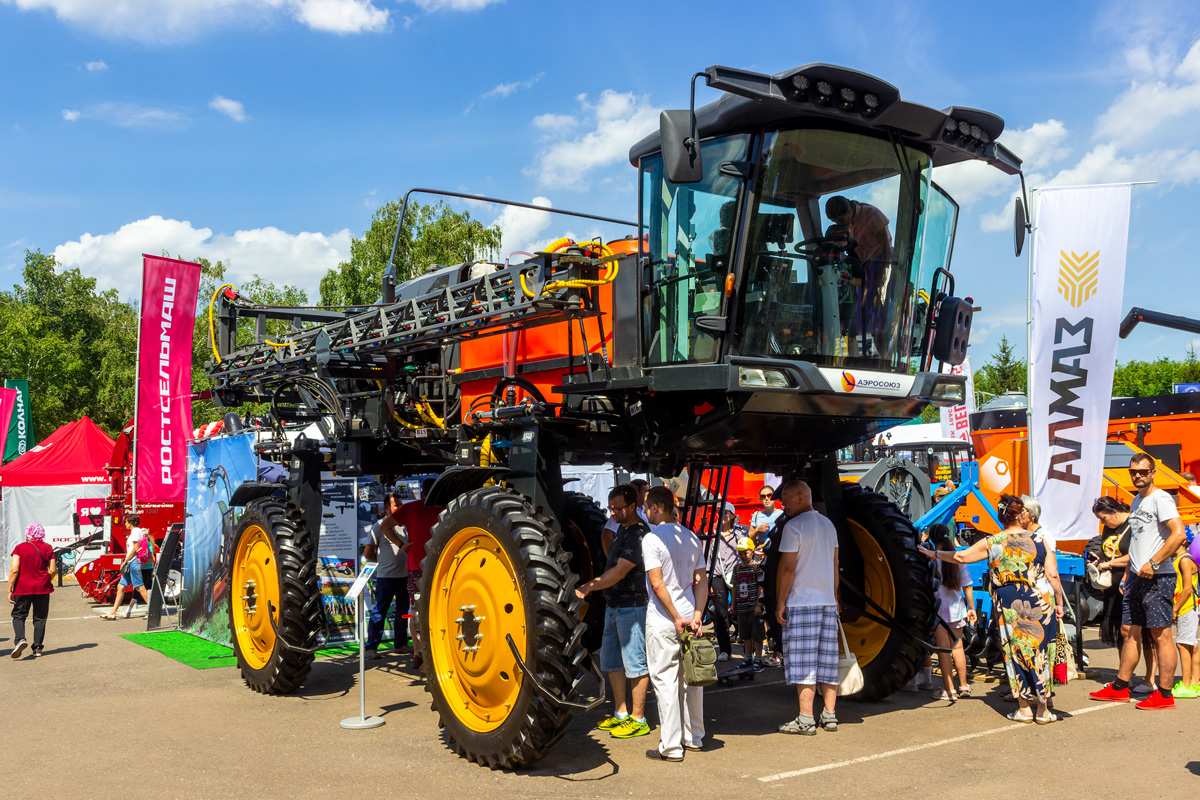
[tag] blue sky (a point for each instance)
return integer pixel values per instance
(266, 132)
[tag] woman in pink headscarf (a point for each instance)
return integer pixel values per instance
(29, 587)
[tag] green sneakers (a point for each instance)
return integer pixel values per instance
(1186, 692)
(608, 723)
(630, 728)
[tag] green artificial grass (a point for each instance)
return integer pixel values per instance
(200, 653)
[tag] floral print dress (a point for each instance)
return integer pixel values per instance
(1025, 602)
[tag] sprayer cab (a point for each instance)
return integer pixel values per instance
(795, 223)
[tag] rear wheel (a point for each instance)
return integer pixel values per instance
(496, 568)
(897, 578)
(583, 524)
(272, 577)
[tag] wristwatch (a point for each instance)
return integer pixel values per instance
(1154, 565)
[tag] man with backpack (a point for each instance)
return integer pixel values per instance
(678, 590)
(137, 564)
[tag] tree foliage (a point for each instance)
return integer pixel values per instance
(432, 234)
(75, 345)
(1003, 372)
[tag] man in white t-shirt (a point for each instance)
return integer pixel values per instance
(678, 587)
(1155, 534)
(391, 582)
(807, 607)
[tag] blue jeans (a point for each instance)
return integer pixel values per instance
(388, 590)
(624, 645)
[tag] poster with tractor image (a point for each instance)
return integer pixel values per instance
(337, 559)
(215, 468)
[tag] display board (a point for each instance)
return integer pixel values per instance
(337, 557)
(215, 468)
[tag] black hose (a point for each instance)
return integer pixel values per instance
(514, 380)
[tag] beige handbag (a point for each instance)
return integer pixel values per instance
(850, 677)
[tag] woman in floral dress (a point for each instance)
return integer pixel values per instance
(1021, 567)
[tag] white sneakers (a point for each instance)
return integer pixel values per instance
(723, 656)
(20, 648)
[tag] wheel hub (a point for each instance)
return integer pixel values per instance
(249, 598)
(253, 569)
(475, 604)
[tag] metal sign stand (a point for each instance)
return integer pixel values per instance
(362, 721)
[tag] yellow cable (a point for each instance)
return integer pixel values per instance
(607, 256)
(212, 331)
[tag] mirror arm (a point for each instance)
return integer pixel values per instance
(1025, 200)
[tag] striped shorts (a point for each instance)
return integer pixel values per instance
(810, 645)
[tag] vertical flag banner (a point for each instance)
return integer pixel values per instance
(1079, 246)
(164, 379)
(20, 426)
(8, 402)
(956, 419)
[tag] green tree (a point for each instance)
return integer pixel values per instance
(1143, 378)
(1189, 368)
(75, 345)
(1003, 372)
(432, 234)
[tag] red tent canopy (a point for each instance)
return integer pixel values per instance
(76, 453)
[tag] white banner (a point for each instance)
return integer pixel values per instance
(1079, 244)
(956, 419)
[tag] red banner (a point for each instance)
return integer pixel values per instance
(8, 401)
(164, 391)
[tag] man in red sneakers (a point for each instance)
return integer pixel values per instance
(1156, 533)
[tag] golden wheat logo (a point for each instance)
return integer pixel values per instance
(1078, 276)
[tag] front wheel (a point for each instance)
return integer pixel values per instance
(899, 580)
(273, 579)
(495, 569)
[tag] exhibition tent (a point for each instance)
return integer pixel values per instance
(48, 483)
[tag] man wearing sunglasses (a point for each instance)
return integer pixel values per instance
(1156, 533)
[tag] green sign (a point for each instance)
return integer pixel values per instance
(20, 428)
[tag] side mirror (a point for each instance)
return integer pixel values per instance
(1019, 227)
(680, 150)
(953, 330)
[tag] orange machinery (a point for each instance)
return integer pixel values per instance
(1166, 427)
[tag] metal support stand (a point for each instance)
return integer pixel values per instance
(362, 721)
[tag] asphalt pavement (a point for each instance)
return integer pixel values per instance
(99, 716)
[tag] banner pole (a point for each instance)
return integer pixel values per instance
(137, 385)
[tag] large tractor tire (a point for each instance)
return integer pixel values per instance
(583, 525)
(273, 572)
(901, 581)
(496, 568)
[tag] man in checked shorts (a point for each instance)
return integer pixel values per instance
(807, 607)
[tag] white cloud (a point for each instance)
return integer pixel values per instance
(299, 259)
(170, 21)
(555, 123)
(618, 120)
(454, 5)
(521, 227)
(230, 108)
(96, 66)
(131, 115)
(505, 89)
(341, 16)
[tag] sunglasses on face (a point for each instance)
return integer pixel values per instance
(766, 496)
(1139, 472)
(617, 508)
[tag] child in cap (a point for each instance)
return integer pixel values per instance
(746, 600)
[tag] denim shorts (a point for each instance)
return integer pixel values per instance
(133, 578)
(624, 647)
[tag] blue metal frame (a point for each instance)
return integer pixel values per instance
(944, 511)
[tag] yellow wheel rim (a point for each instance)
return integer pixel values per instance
(254, 584)
(475, 602)
(867, 637)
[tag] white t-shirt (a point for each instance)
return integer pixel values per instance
(954, 605)
(393, 562)
(1050, 540)
(1148, 529)
(131, 546)
(812, 537)
(678, 553)
(611, 524)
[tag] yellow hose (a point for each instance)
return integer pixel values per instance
(607, 256)
(212, 331)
